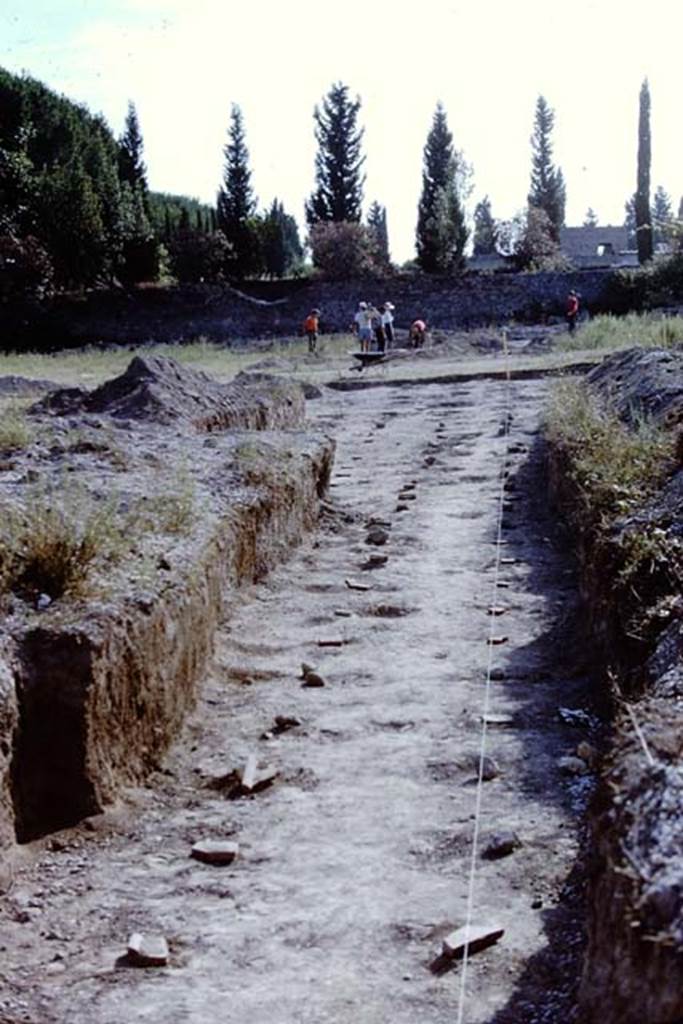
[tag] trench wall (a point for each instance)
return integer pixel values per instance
(634, 962)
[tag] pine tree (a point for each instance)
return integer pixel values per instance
(484, 229)
(662, 215)
(236, 204)
(377, 223)
(591, 219)
(441, 233)
(338, 195)
(547, 189)
(642, 197)
(131, 165)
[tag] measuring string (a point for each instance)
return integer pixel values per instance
(487, 692)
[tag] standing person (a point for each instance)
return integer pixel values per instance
(377, 329)
(387, 311)
(572, 312)
(362, 326)
(418, 331)
(311, 328)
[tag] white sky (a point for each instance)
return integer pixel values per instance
(183, 62)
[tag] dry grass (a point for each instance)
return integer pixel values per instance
(613, 471)
(608, 333)
(51, 546)
(15, 430)
(615, 468)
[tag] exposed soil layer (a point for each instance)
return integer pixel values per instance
(94, 686)
(634, 962)
(355, 859)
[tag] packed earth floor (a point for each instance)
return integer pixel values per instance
(356, 861)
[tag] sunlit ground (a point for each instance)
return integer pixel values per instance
(446, 353)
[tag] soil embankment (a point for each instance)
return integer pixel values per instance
(355, 860)
(190, 489)
(631, 583)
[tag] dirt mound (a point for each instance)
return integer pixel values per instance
(19, 387)
(642, 382)
(160, 390)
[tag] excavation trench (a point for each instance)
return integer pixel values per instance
(355, 861)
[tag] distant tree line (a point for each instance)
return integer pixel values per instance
(76, 209)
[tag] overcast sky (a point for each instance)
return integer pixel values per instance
(184, 62)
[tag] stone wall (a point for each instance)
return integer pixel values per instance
(278, 309)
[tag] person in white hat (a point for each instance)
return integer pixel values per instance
(362, 326)
(387, 311)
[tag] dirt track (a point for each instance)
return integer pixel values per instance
(355, 863)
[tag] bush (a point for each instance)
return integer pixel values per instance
(344, 250)
(196, 256)
(26, 271)
(659, 283)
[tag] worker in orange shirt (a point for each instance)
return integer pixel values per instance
(572, 312)
(311, 328)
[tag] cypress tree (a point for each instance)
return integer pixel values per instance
(591, 219)
(484, 242)
(377, 223)
(131, 165)
(338, 195)
(642, 197)
(441, 233)
(236, 205)
(547, 189)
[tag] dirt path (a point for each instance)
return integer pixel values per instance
(355, 863)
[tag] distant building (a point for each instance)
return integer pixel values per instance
(598, 247)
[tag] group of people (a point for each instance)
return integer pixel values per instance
(374, 327)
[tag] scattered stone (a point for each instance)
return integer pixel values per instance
(571, 765)
(472, 938)
(310, 676)
(495, 640)
(430, 460)
(588, 753)
(407, 496)
(375, 562)
(343, 613)
(496, 719)
(501, 844)
(496, 609)
(537, 903)
(285, 722)
(147, 950)
(376, 521)
(331, 642)
(508, 561)
(401, 508)
(377, 535)
(43, 601)
(248, 776)
(489, 769)
(215, 851)
(497, 674)
(355, 585)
